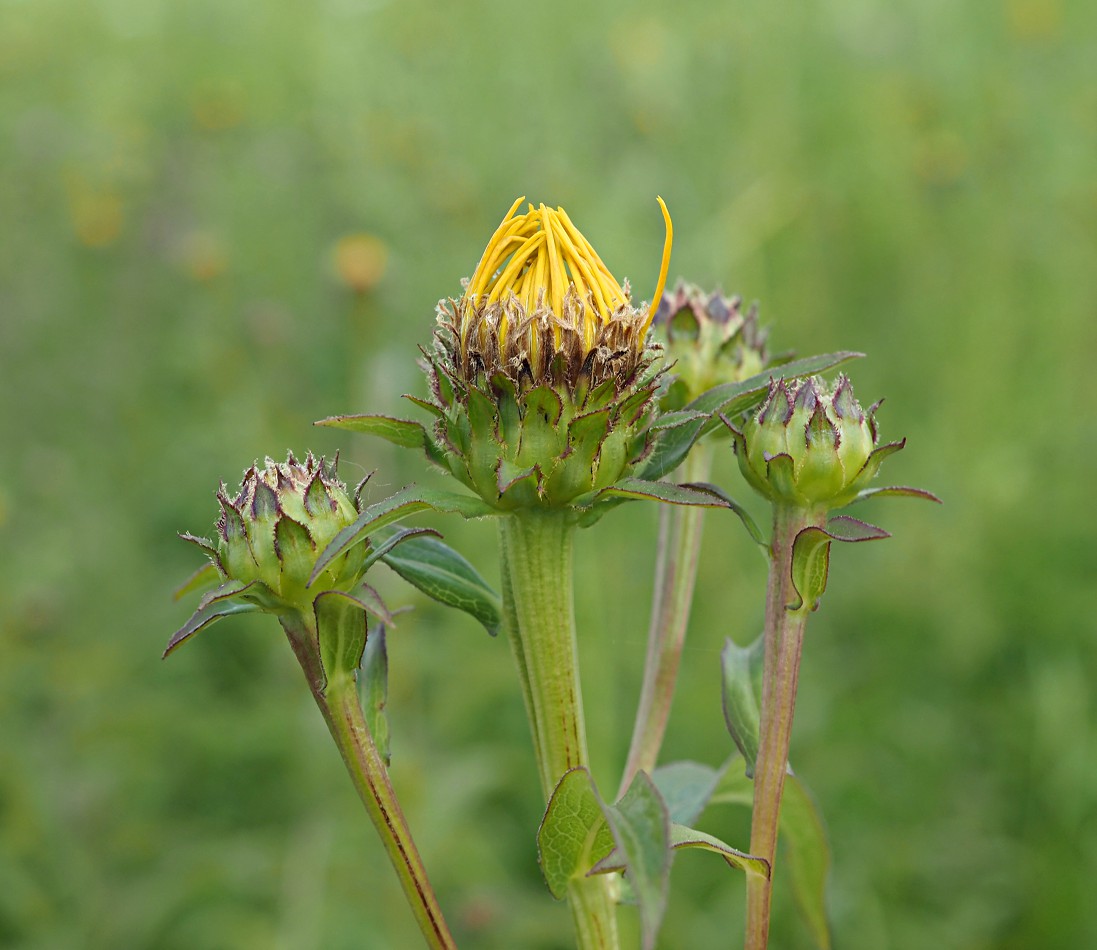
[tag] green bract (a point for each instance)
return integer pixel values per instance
(809, 446)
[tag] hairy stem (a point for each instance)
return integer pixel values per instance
(784, 637)
(537, 565)
(342, 711)
(680, 529)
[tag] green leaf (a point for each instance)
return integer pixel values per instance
(373, 689)
(810, 563)
(683, 837)
(403, 432)
(741, 669)
(805, 852)
(748, 522)
(663, 491)
(805, 855)
(203, 578)
(726, 396)
(896, 490)
(383, 542)
(811, 555)
(341, 631)
(216, 604)
(686, 788)
(443, 574)
(574, 834)
(641, 832)
(404, 503)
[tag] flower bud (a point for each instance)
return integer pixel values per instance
(809, 446)
(284, 515)
(709, 339)
(542, 374)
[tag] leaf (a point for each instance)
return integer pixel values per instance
(739, 690)
(574, 834)
(373, 689)
(663, 491)
(686, 788)
(443, 574)
(845, 528)
(641, 832)
(341, 630)
(381, 544)
(206, 576)
(215, 605)
(896, 490)
(683, 837)
(811, 555)
(403, 432)
(805, 854)
(726, 395)
(407, 501)
(748, 522)
(810, 564)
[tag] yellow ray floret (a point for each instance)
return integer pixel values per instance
(539, 256)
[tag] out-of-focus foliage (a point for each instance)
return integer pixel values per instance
(222, 221)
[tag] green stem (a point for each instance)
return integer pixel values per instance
(784, 637)
(680, 529)
(342, 711)
(537, 564)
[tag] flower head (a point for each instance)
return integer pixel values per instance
(809, 445)
(542, 305)
(542, 375)
(269, 550)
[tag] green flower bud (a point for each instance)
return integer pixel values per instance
(709, 340)
(809, 446)
(284, 515)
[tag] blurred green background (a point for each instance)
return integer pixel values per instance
(220, 222)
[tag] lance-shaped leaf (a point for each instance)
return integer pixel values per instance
(641, 833)
(403, 432)
(443, 574)
(341, 626)
(749, 523)
(740, 688)
(805, 854)
(222, 602)
(811, 556)
(373, 689)
(381, 544)
(574, 834)
(663, 491)
(683, 837)
(407, 501)
(206, 576)
(686, 788)
(897, 491)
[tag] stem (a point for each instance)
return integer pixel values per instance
(339, 704)
(784, 637)
(537, 564)
(680, 529)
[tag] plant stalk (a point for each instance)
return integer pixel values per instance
(338, 702)
(680, 528)
(784, 637)
(537, 563)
